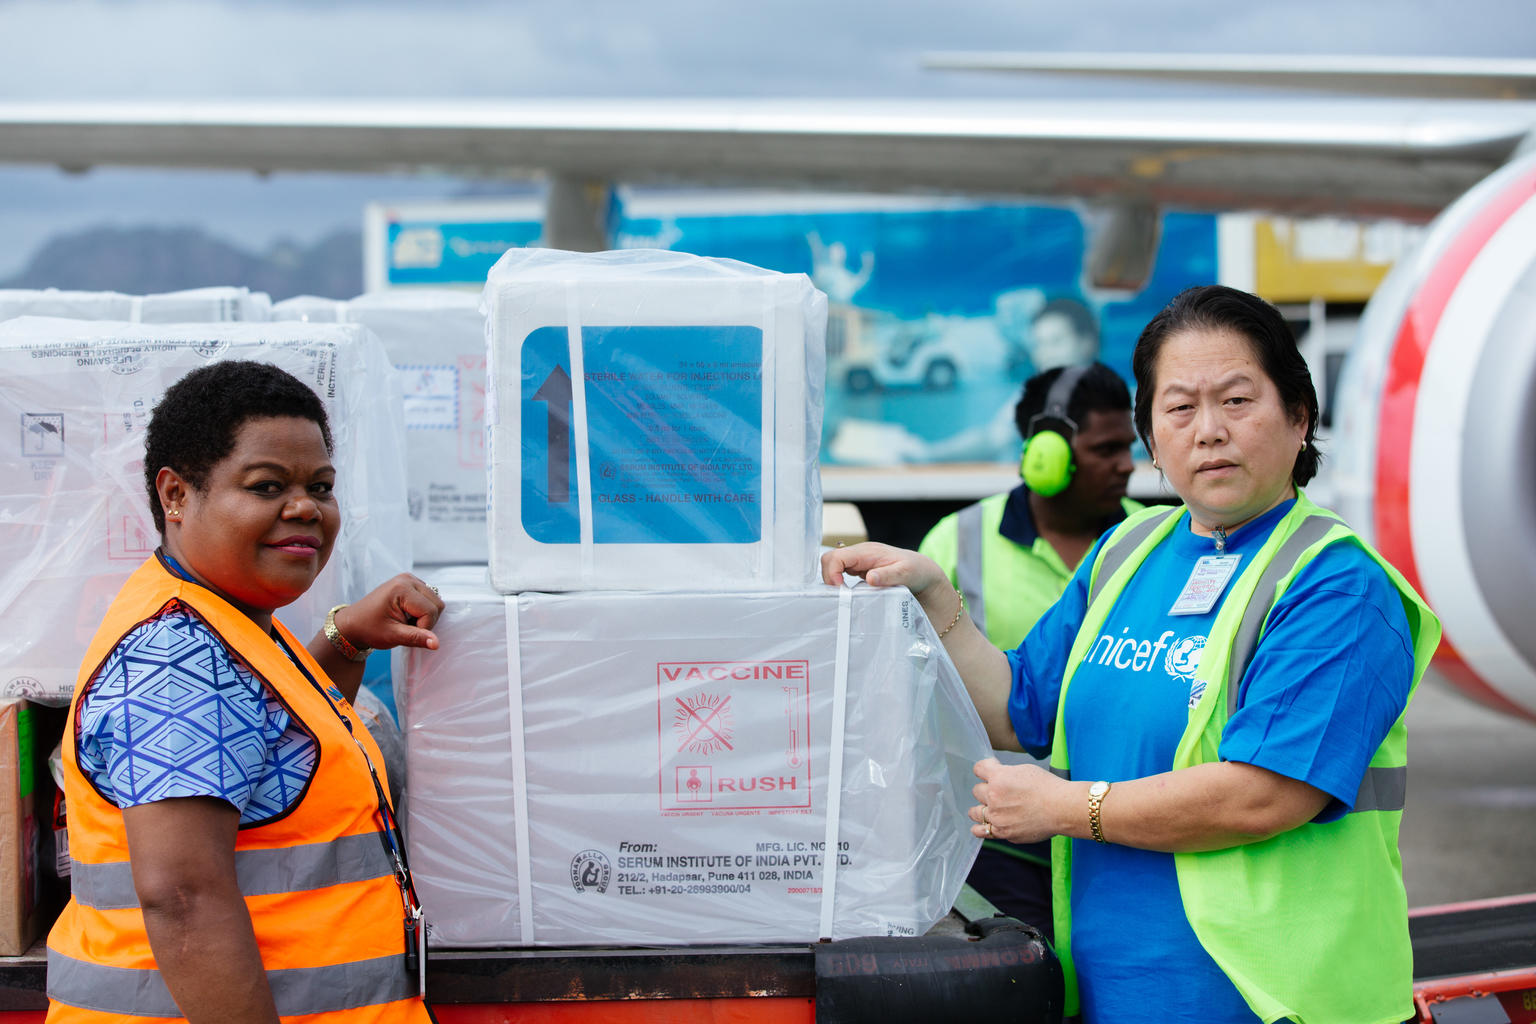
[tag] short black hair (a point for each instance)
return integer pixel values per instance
(194, 425)
(1100, 389)
(1215, 307)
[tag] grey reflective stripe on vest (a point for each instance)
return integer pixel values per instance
(1311, 530)
(1382, 789)
(258, 872)
(296, 991)
(1115, 555)
(968, 550)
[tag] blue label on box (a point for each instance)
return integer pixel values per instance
(674, 429)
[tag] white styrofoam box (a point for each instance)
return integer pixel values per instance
(652, 414)
(74, 515)
(196, 305)
(656, 769)
(436, 339)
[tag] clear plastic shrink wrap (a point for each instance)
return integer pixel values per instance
(196, 305)
(652, 413)
(659, 769)
(436, 339)
(310, 309)
(74, 516)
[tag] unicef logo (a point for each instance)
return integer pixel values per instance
(590, 870)
(1184, 657)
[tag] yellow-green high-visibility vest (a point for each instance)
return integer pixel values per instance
(1312, 924)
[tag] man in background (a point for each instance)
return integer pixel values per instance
(1012, 554)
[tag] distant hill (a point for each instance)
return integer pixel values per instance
(140, 261)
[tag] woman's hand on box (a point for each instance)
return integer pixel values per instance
(884, 566)
(398, 613)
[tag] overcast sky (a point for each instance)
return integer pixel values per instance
(124, 49)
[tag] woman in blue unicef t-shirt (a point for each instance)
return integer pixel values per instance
(1220, 690)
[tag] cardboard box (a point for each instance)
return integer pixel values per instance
(658, 769)
(655, 422)
(436, 339)
(28, 888)
(74, 516)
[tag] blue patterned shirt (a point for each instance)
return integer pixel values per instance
(172, 713)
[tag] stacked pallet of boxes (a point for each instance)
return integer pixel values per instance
(74, 516)
(657, 727)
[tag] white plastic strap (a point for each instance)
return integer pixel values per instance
(829, 850)
(519, 773)
(579, 430)
(768, 491)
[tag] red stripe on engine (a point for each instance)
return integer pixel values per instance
(1395, 423)
(1394, 536)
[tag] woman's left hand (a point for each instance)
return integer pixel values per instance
(1014, 802)
(398, 613)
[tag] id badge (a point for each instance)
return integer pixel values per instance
(421, 968)
(1207, 580)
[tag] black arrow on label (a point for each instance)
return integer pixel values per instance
(555, 393)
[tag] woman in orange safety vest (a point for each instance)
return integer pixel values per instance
(234, 852)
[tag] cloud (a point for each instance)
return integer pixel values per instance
(350, 48)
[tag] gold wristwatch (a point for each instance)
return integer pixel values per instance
(344, 646)
(1096, 794)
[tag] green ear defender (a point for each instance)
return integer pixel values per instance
(1047, 465)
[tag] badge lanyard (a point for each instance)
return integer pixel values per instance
(393, 839)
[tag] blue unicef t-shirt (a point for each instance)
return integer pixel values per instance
(1328, 679)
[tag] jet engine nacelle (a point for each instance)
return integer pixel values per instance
(1435, 433)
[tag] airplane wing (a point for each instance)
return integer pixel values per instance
(1441, 77)
(1359, 157)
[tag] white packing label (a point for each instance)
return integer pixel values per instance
(431, 397)
(1206, 582)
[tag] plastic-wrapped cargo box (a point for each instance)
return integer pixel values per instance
(652, 413)
(74, 516)
(310, 309)
(436, 339)
(656, 769)
(196, 305)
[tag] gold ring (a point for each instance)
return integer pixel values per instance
(989, 830)
(433, 589)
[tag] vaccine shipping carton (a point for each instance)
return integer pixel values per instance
(436, 339)
(654, 419)
(74, 513)
(658, 769)
(196, 305)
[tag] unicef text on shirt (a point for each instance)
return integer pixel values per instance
(1128, 652)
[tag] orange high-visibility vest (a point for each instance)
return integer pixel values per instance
(318, 881)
